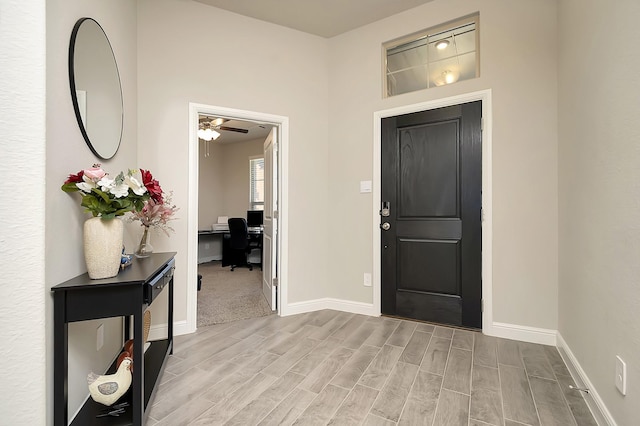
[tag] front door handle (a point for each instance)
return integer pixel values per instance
(384, 210)
(385, 226)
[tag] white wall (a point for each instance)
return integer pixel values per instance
(190, 52)
(518, 62)
(23, 387)
(224, 180)
(68, 153)
(211, 186)
(599, 132)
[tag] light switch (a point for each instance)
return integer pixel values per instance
(365, 186)
(367, 279)
(621, 375)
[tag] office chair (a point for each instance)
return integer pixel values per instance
(239, 243)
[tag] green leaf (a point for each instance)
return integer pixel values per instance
(69, 187)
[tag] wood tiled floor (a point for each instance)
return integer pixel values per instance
(330, 367)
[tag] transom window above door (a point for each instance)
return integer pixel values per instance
(433, 57)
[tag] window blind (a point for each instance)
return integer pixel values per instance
(256, 182)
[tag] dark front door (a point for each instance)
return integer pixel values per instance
(431, 186)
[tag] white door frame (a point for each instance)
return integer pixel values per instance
(282, 123)
(487, 211)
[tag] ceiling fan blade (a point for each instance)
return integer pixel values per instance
(233, 129)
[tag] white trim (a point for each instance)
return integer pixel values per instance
(522, 333)
(192, 221)
(487, 195)
(594, 402)
(331, 303)
(159, 331)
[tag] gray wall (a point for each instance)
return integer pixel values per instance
(599, 158)
(68, 153)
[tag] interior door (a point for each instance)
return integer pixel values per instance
(431, 215)
(269, 240)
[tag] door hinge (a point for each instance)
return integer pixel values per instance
(274, 283)
(481, 214)
(482, 124)
(275, 214)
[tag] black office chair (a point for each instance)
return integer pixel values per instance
(239, 243)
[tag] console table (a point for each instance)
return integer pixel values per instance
(126, 295)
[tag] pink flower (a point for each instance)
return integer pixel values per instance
(95, 173)
(156, 214)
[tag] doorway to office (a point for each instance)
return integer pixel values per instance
(232, 192)
(277, 228)
(485, 211)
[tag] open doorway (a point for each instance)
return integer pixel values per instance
(206, 246)
(231, 202)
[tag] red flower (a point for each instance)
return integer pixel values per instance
(152, 185)
(75, 178)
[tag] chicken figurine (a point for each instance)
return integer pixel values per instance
(108, 389)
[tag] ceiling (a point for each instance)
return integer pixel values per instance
(325, 18)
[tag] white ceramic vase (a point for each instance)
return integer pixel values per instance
(103, 247)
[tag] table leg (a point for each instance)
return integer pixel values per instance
(138, 366)
(60, 359)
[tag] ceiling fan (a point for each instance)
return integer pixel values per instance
(218, 124)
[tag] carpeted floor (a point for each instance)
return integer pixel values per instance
(230, 296)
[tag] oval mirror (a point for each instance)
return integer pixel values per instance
(95, 88)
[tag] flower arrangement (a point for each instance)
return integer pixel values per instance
(107, 197)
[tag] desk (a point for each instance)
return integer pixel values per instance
(210, 245)
(223, 252)
(126, 295)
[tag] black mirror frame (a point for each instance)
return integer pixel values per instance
(72, 85)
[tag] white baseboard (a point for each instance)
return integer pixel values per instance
(208, 259)
(329, 303)
(593, 400)
(522, 332)
(159, 332)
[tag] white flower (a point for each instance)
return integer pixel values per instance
(110, 186)
(120, 191)
(106, 184)
(86, 186)
(135, 185)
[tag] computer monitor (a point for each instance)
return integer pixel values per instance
(254, 218)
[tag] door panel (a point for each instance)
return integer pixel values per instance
(270, 221)
(431, 252)
(430, 266)
(428, 171)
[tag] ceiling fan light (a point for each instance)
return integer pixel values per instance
(214, 135)
(206, 134)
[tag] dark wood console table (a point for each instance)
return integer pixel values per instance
(126, 295)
